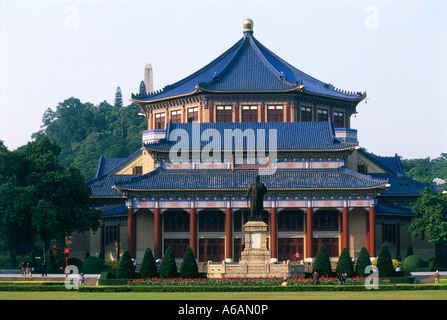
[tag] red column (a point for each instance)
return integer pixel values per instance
(345, 234)
(193, 231)
(273, 234)
(228, 235)
(157, 234)
(372, 231)
(131, 232)
(211, 109)
(367, 233)
(308, 239)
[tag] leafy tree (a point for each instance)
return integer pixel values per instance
(426, 169)
(431, 221)
(322, 263)
(126, 268)
(85, 132)
(118, 98)
(39, 197)
(189, 268)
(51, 261)
(384, 262)
(344, 264)
(148, 266)
(168, 267)
(363, 261)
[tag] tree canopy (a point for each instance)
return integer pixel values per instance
(84, 132)
(39, 197)
(426, 169)
(431, 222)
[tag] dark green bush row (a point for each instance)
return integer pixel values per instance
(39, 287)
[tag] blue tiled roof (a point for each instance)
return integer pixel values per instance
(249, 66)
(391, 165)
(116, 210)
(103, 186)
(389, 208)
(106, 178)
(107, 166)
(400, 184)
(290, 135)
(293, 179)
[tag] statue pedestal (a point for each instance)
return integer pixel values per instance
(255, 242)
(255, 259)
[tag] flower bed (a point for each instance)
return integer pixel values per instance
(291, 281)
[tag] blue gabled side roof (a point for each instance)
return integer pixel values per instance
(400, 185)
(291, 136)
(391, 165)
(248, 66)
(105, 177)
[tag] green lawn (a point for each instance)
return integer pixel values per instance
(323, 295)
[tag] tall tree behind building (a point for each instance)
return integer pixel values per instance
(118, 98)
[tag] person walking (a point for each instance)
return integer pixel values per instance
(44, 269)
(437, 276)
(23, 268)
(316, 277)
(81, 279)
(27, 269)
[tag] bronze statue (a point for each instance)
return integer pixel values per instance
(256, 192)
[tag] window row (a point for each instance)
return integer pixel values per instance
(323, 115)
(275, 113)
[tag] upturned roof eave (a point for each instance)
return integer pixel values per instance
(126, 189)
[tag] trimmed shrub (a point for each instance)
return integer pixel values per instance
(168, 268)
(412, 262)
(322, 263)
(363, 261)
(126, 267)
(384, 262)
(111, 264)
(344, 264)
(148, 266)
(189, 267)
(93, 264)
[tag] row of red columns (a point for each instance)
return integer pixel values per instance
(131, 232)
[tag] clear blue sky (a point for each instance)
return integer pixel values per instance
(396, 51)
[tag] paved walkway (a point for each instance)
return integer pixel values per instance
(90, 279)
(427, 277)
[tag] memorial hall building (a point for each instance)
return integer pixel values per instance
(249, 113)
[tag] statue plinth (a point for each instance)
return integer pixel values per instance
(255, 242)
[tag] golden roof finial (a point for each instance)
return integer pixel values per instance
(248, 25)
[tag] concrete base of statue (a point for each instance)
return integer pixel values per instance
(255, 259)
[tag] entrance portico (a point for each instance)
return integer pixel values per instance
(212, 228)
